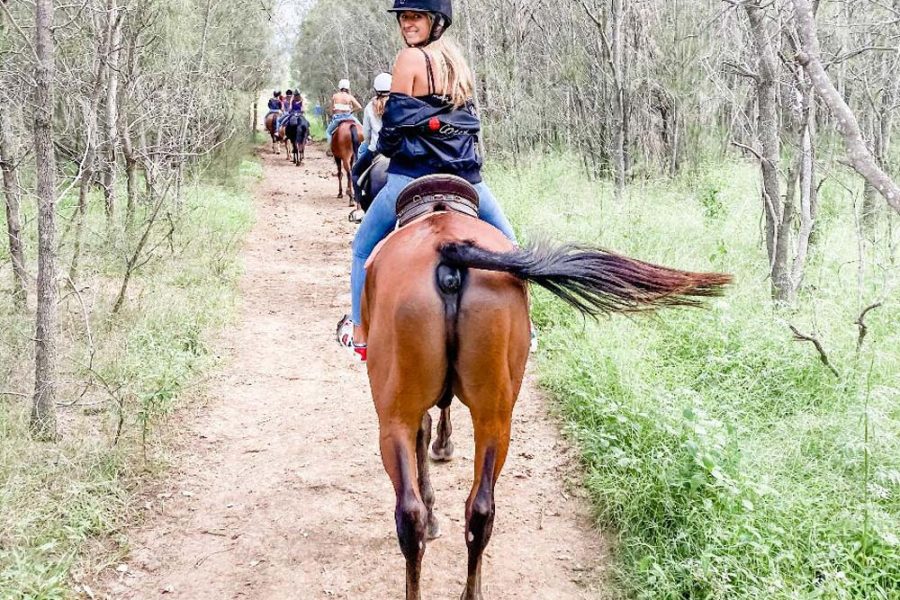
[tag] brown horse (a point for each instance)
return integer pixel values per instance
(271, 121)
(448, 316)
(282, 135)
(344, 146)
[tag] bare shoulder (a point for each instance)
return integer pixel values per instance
(409, 59)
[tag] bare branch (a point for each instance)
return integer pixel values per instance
(823, 356)
(861, 322)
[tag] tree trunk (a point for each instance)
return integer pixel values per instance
(882, 128)
(13, 200)
(470, 42)
(619, 109)
(130, 173)
(88, 166)
(808, 197)
(112, 107)
(860, 157)
(43, 413)
(767, 122)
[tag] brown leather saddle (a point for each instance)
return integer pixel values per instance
(434, 193)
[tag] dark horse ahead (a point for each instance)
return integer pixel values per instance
(296, 132)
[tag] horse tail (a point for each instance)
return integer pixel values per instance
(592, 280)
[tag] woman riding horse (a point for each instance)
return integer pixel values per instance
(371, 128)
(343, 105)
(271, 118)
(445, 307)
(432, 84)
(296, 132)
(287, 104)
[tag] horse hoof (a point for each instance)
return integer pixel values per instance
(444, 454)
(434, 529)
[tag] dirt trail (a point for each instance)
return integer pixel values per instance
(278, 490)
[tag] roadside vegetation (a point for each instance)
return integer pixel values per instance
(724, 457)
(121, 374)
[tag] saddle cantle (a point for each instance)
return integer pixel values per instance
(434, 193)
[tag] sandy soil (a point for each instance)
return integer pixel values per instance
(278, 490)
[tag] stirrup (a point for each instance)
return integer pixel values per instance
(356, 215)
(345, 339)
(344, 333)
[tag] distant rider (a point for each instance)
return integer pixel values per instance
(275, 102)
(286, 104)
(343, 105)
(371, 128)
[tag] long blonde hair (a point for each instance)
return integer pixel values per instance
(378, 103)
(456, 78)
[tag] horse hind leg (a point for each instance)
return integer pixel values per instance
(340, 177)
(442, 448)
(398, 453)
(494, 356)
(425, 488)
(490, 454)
(348, 168)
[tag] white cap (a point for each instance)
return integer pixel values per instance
(344, 84)
(383, 83)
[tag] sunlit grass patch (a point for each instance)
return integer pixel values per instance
(121, 375)
(730, 462)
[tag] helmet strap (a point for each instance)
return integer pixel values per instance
(438, 28)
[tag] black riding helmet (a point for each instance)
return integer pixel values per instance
(276, 93)
(442, 10)
(289, 93)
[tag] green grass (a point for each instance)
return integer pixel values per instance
(56, 500)
(316, 128)
(724, 458)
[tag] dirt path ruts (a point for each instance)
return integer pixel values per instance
(278, 490)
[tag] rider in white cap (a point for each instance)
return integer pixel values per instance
(371, 127)
(343, 105)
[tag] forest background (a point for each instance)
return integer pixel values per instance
(748, 451)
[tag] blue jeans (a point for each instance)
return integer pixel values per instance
(337, 120)
(381, 219)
